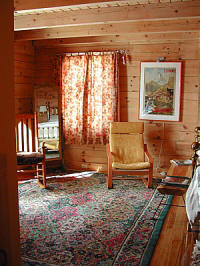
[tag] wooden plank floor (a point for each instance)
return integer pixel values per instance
(172, 248)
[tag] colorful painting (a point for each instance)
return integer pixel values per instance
(160, 91)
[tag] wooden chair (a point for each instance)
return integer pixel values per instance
(30, 159)
(127, 153)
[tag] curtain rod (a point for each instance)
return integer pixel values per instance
(123, 52)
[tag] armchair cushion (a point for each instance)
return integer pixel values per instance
(127, 149)
(24, 158)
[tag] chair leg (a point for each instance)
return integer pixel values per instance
(42, 170)
(44, 174)
(37, 171)
(109, 178)
(150, 177)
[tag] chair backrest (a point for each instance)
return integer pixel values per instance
(127, 142)
(26, 133)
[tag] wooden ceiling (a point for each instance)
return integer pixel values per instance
(20, 5)
(66, 23)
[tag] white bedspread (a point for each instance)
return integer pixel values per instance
(193, 197)
(53, 122)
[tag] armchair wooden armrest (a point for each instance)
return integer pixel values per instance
(147, 154)
(150, 160)
(42, 148)
(109, 154)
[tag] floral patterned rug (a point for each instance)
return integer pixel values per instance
(81, 222)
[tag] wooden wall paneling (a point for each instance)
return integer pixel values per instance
(191, 84)
(177, 126)
(179, 136)
(129, 114)
(169, 50)
(129, 98)
(45, 71)
(23, 79)
(23, 105)
(23, 57)
(24, 90)
(132, 38)
(155, 48)
(154, 131)
(25, 47)
(72, 154)
(153, 56)
(151, 52)
(22, 68)
(184, 150)
(190, 96)
(129, 83)
(87, 166)
(24, 74)
(191, 68)
(85, 157)
(155, 148)
(155, 137)
(129, 71)
(189, 111)
(189, 50)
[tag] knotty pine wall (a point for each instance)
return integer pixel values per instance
(166, 140)
(24, 74)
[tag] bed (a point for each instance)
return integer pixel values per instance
(193, 193)
(49, 133)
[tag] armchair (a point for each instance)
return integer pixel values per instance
(127, 153)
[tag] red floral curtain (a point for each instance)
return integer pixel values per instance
(89, 97)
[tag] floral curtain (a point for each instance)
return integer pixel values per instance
(89, 97)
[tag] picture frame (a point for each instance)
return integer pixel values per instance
(160, 91)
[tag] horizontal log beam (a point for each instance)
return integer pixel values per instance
(107, 15)
(126, 38)
(157, 26)
(37, 4)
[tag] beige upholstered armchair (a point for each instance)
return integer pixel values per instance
(127, 153)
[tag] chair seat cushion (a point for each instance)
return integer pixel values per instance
(29, 158)
(130, 166)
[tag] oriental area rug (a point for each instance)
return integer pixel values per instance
(78, 221)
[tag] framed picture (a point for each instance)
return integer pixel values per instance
(160, 90)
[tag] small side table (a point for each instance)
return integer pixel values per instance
(176, 170)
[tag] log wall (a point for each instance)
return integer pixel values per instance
(166, 140)
(24, 74)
